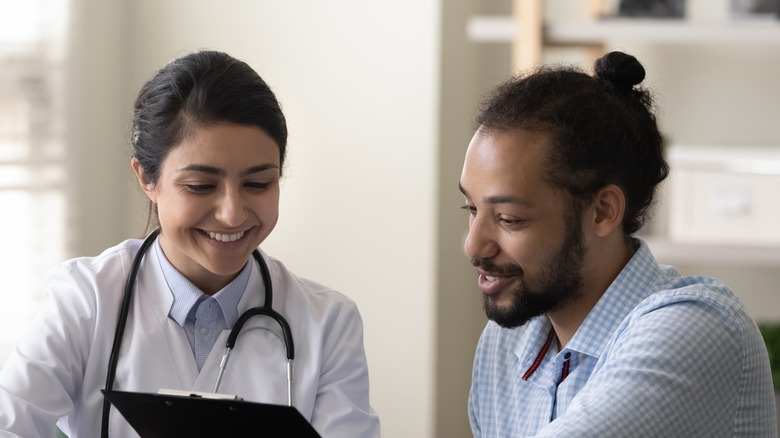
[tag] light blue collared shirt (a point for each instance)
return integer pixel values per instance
(659, 355)
(203, 317)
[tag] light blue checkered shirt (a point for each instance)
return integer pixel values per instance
(203, 317)
(660, 355)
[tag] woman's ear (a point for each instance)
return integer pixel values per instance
(609, 206)
(143, 182)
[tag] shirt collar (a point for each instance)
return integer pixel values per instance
(185, 294)
(627, 290)
(531, 341)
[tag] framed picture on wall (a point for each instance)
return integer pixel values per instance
(755, 8)
(652, 8)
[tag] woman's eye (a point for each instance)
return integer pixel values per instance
(258, 185)
(199, 188)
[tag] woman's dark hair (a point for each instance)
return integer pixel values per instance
(601, 128)
(200, 89)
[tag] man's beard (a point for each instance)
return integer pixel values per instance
(559, 282)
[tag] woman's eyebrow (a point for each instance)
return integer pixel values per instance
(260, 168)
(211, 170)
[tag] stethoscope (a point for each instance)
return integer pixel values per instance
(266, 309)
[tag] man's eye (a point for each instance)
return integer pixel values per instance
(510, 222)
(470, 208)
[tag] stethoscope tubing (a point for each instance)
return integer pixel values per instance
(124, 311)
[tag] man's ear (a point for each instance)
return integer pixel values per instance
(143, 182)
(608, 208)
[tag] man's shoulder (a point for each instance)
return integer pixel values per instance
(704, 291)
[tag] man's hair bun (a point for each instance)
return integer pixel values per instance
(620, 69)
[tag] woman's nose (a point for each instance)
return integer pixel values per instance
(232, 209)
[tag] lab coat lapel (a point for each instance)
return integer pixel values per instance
(162, 344)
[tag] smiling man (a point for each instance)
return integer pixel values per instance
(588, 335)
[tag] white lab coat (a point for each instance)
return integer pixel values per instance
(59, 366)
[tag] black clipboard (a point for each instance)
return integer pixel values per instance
(169, 416)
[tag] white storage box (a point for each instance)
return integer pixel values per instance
(724, 195)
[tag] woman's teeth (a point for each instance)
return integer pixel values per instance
(226, 237)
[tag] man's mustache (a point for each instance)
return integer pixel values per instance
(503, 270)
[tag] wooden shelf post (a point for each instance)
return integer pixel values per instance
(527, 42)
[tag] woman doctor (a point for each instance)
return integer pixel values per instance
(208, 146)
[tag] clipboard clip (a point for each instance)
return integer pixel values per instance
(198, 394)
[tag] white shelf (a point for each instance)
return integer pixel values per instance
(669, 252)
(666, 31)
